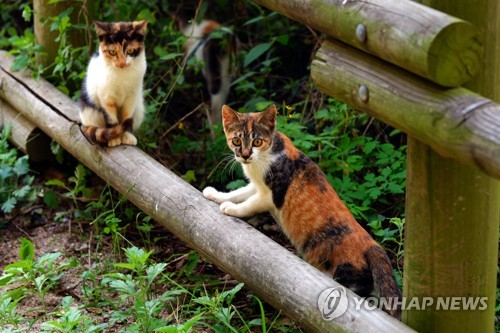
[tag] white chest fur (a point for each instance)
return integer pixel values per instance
(104, 80)
(256, 172)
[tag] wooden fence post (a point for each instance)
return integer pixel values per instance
(47, 38)
(453, 210)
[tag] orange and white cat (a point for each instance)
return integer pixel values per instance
(111, 101)
(289, 185)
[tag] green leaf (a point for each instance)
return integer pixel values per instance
(55, 182)
(254, 20)
(256, 52)
(171, 56)
(124, 265)
(50, 199)
(235, 184)
(22, 192)
(189, 176)
(146, 14)
(55, 325)
(20, 62)
(26, 250)
(153, 271)
(181, 328)
(9, 205)
(167, 329)
(27, 13)
(21, 166)
(5, 279)
(283, 39)
(127, 287)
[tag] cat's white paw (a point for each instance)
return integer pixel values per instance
(129, 139)
(115, 142)
(229, 208)
(211, 194)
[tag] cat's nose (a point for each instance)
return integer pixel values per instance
(245, 155)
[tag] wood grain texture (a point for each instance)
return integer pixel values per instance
(278, 276)
(25, 135)
(434, 45)
(453, 211)
(455, 122)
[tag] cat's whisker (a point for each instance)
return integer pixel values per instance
(230, 163)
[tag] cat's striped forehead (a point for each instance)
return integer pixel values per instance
(121, 32)
(249, 126)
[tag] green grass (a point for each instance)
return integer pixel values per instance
(140, 295)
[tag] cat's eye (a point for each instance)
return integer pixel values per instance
(236, 141)
(257, 142)
(130, 51)
(112, 52)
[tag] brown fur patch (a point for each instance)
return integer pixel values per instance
(290, 150)
(99, 135)
(210, 27)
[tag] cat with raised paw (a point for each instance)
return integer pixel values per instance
(112, 106)
(289, 185)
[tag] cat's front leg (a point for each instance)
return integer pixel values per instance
(235, 196)
(111, 108)
(257, 203)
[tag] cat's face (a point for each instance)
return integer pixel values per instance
(249, 135)
(121, 42)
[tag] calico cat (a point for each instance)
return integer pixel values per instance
(111, 100)
(286, 183)
(215, 54)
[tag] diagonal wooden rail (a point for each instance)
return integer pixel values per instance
(278, 276)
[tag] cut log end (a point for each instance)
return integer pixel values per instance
(455, 55)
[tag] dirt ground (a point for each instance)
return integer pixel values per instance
(78, 241)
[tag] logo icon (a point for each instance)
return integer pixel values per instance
(333, 302)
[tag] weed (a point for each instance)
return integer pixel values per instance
(16, 185)
(8, 312)
(33, 276)
(70, 319)
(135, 294)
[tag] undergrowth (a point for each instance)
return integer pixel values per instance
(364, 161)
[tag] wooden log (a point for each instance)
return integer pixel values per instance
(25, 135)
(452, 213)
(456, 122)
(278, 276)
(439, 47)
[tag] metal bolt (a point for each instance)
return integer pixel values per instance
(363, 93)
(361, 33)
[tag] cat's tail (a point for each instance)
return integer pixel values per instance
(102, 135)
(383, 278)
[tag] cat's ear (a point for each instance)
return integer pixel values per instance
(102, 28)
(140, 27)
(229, 116)
(268, 116)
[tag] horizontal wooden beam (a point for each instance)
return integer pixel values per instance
(25, 135)
(431, 44)
(455, 122)
(278, 276)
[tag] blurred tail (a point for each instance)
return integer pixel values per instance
(103, 135)
(384, 281)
